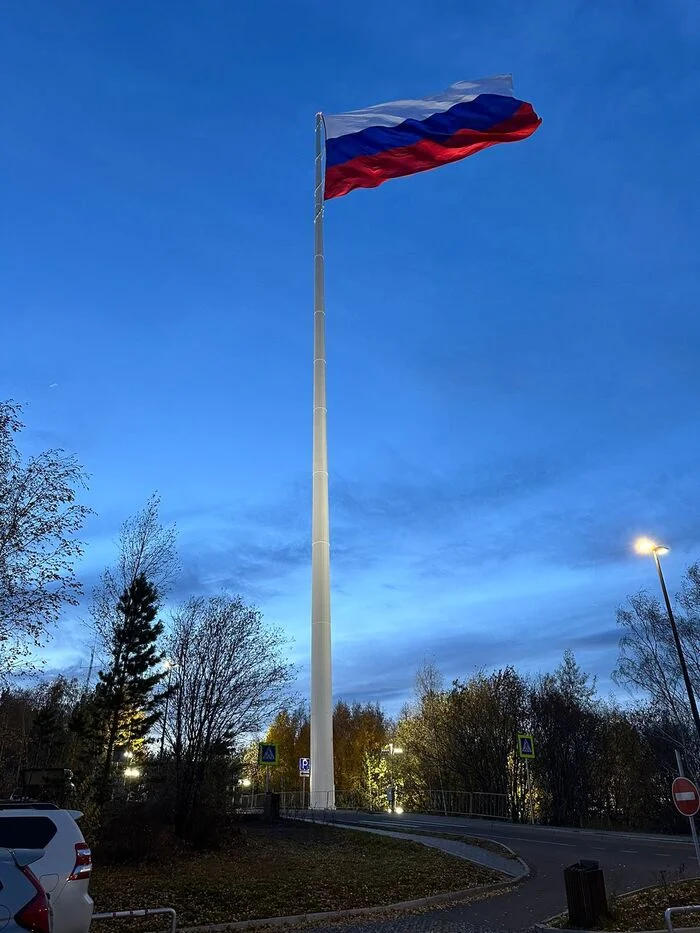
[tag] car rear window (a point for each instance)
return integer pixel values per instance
(26, 832)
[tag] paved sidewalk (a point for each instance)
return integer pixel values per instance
(512, 868)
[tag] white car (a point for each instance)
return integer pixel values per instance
(65, 867)
(24, 905)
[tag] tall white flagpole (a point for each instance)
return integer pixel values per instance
(322, 791)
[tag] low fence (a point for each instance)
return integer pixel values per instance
(670, 911)
(139, 912)
(448, 803)
(296, 800)
(466, 803)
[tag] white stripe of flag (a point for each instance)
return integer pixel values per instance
(397, 111)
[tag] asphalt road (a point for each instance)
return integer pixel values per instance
(628, 861)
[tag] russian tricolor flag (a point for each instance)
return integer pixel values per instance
(367, 147)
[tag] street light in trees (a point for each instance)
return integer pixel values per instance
(647, 546)
(391, 751)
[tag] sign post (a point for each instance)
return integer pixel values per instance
(686, 800)
(526, 750)
(304, 772)
(268, 757)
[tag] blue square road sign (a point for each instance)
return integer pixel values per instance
(267, 754)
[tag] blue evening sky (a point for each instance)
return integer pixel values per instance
(513, 340)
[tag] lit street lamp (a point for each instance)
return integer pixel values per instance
(391, 750)
(647, 546)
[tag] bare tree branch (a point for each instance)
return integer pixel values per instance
(39, 519)
(146, 547)
(231, 677)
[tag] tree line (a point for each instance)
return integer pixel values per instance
(167, 727)
(598, 763)
(159, 732)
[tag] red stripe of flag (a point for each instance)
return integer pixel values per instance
(371, 171)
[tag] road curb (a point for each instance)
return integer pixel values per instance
(513, 879)
(294, 919)
(422, 839)
(526, 868)
(543, 928)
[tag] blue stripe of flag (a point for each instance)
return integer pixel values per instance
(480, 114)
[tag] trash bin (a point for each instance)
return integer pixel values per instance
(271, 806)
(585, 894)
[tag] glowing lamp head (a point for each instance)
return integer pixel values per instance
(132, 773)
(647, 546)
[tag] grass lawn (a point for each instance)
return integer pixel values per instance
(274, 870)
(644, 910)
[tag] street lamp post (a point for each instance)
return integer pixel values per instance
(647, 546)
(392, 750)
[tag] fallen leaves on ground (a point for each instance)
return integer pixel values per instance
(281, 869)
(644, 910)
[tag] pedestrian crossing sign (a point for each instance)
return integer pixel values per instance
(526, 746)
(267, 754)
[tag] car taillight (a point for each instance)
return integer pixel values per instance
(36, 915)
(83, 862)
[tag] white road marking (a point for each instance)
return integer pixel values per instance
(543, 842)
(497, 833)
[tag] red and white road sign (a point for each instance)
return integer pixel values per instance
(685, 796)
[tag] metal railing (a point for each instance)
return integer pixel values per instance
(449, 803)
(466, 803)
(294, 800)
(251, 802)
(668, 914)
(139, 912)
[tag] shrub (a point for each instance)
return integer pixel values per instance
(134, 832)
